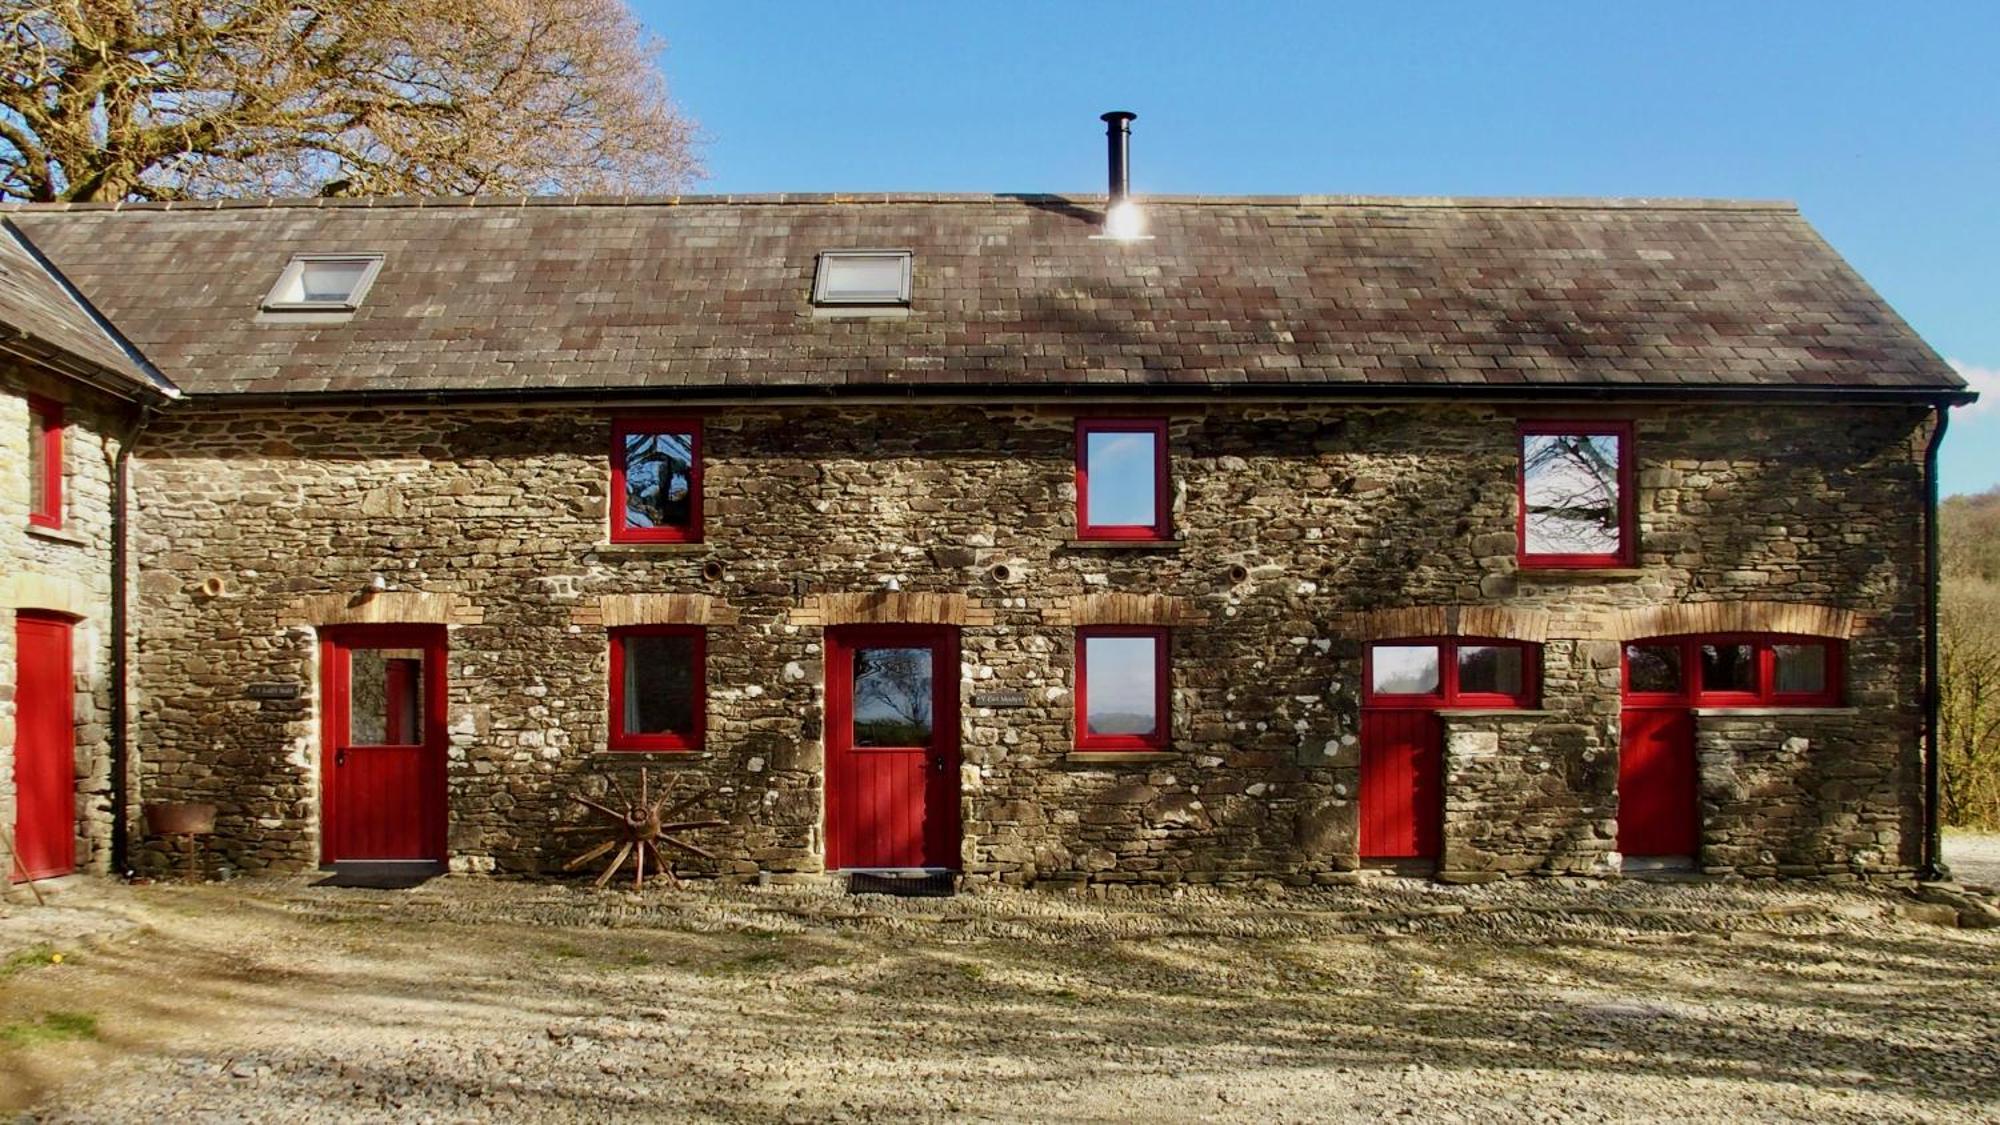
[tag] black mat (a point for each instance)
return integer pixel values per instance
(380, 876)
(917, 884)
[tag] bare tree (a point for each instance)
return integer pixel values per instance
(106, 100)
(1969, 704)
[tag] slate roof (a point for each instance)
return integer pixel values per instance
(42, 318)
(1296, 293)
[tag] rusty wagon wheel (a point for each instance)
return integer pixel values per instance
(639, 827)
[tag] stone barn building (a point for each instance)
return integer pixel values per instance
(950, 534)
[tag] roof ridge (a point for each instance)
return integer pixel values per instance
(449, 202)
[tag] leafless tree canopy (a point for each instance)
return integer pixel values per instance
(168, 99)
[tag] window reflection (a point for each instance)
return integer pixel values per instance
(1121, 471)
(659, 479)
(385, 696)
(660, 684)
(1570, 487)
(1404, 670)
(1800, 668)
(892, 697)
(1122, 685)
(1728, 667)
(1654, 668)
(1490, 669)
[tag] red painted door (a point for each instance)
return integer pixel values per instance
(44, 747)
(892, 748)
(383, 797)
(1402, 784)
(1657, 810)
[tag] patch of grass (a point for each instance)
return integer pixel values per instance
(566, 950)
(55, 1027)
(971, 970)
(33, 957)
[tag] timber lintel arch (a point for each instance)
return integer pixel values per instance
(1510, 623)
(1681, 619)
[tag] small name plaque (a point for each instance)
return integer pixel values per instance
(1000, 699)
(272, 690)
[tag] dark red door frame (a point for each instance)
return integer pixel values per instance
(344, 806)
(892, 807)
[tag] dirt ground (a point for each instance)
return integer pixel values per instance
(479, 1000)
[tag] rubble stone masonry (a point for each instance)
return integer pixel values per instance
(64, 570)
(1300, 528)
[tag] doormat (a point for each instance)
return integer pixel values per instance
(915, 884)
(380, 876)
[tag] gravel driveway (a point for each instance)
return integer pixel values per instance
(473, 1000)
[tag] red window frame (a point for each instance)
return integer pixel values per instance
(692, 740)
(1160, 528)
(1162, 735)
(1448, 693)
(1628, 521)
(622, 532)
(46, 423)
(1764, 653)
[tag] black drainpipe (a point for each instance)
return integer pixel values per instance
(121, 755)
(1934, 865)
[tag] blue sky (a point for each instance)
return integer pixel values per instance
(1881, 120)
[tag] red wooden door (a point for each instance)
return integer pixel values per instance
(44, 747)
(892, 748)
(383, 797)
(1657, 811)
(1402, 783)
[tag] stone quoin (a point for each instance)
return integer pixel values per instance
(1302, 536)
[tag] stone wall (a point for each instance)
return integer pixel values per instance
(67, 571)
(1295, 522)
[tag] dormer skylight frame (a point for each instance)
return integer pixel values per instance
(291, 278)
(823, 298)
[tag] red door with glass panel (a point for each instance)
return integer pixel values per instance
(892, 753)
(383, 794)
(1405, 684)
(44, 747)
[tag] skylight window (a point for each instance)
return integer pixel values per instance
(863, 277)
(313, 282)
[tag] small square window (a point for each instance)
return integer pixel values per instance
(1728, 668)
(1403, 670)
(1576, 495)
(45, 463)
(1491, 670)
(656, 481)
(1121, 479)
(863, 277)
(330, 282)
(1653, 669)
(1121, 689)
(657, 687)
(1799, 669)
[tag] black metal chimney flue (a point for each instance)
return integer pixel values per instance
(1118, 149)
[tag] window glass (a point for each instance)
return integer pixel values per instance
(333, 281)
(661, 683)
(1122, 685)
(1121, 470)
(1404, 670)
(1728, 667)
(1654, 668)
(892, 697)
(659, 479)
(385, 696)
(1800, 668)
(39, 501)
(861, 278)
(1489, 669)
(1570, 489)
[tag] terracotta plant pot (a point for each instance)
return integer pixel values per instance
(180, 820)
